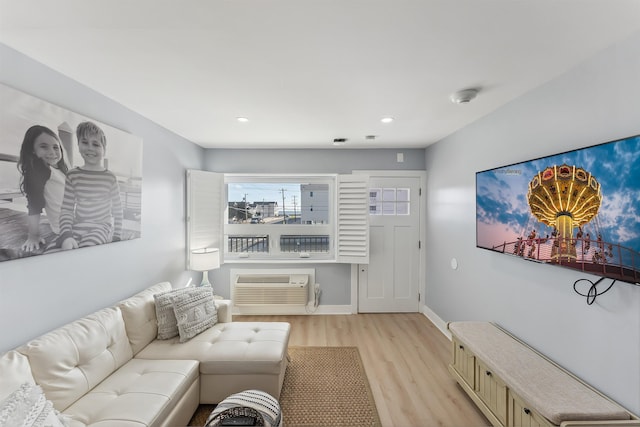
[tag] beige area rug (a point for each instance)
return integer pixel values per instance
(323, 386)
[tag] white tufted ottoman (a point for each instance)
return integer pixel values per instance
(233, 357)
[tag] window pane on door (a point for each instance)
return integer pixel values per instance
(402, 194)
(389, 194)
(375, 201)
(402, 208)
(402, 204)
(388, 208)
(389, 201)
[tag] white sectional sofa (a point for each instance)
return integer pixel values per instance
(109, 369)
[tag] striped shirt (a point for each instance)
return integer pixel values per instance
(90, 197)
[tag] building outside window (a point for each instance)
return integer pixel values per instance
(280, 217)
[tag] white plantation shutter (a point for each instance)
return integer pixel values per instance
(353, 219)
(205, 211)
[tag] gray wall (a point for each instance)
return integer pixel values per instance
(339, 160)
(40, 293)
(334, 279)
(596, 102)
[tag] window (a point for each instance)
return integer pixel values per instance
(279, 217)
(321, 218)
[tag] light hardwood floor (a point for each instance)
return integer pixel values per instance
(405, 357)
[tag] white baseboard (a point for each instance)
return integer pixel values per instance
(331, 309)
(436, 320)
(293, 310)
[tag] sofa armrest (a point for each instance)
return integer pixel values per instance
(224, 310)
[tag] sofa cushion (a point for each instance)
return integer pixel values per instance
(229, 348)
(139, 314)
(71, 360)
(140, 393)
(14, 371)
(195, 311)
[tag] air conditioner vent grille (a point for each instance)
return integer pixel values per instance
(263, 278)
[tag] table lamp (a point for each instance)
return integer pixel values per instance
(204, 260)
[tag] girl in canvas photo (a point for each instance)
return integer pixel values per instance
(42, 180)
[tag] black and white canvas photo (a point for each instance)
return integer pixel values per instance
(66, 181)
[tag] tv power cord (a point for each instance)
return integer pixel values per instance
(593, 290)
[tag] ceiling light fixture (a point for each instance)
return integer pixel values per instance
(464, 96)
(339, 141)
(386, 119)
(242, 119)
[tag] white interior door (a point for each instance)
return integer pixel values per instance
(390, 282)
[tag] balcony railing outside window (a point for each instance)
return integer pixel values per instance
(249, 243)
(298, 243)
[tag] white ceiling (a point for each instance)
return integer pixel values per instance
(307, 71)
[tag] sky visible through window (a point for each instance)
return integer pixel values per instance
(265, 192)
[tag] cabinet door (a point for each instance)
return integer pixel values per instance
(492, 390)
(464, 362)
(522, 416)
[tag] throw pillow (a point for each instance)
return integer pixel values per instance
(28, 407)
(166, 318)
(255, 404)
(195, 312)
(16, 370)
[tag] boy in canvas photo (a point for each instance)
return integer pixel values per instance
(91, 212)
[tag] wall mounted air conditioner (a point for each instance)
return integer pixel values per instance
(270, 289)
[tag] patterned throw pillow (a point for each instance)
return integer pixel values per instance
(28, 407)
(166, 318)
(195, 312)
(255, 404)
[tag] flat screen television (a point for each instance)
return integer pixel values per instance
(579, 209)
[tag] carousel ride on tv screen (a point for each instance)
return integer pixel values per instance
(579, 209)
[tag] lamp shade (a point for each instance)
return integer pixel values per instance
(205, 259)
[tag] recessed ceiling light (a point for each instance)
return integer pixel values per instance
(339, 141)
(386, 119)
(242, 119)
